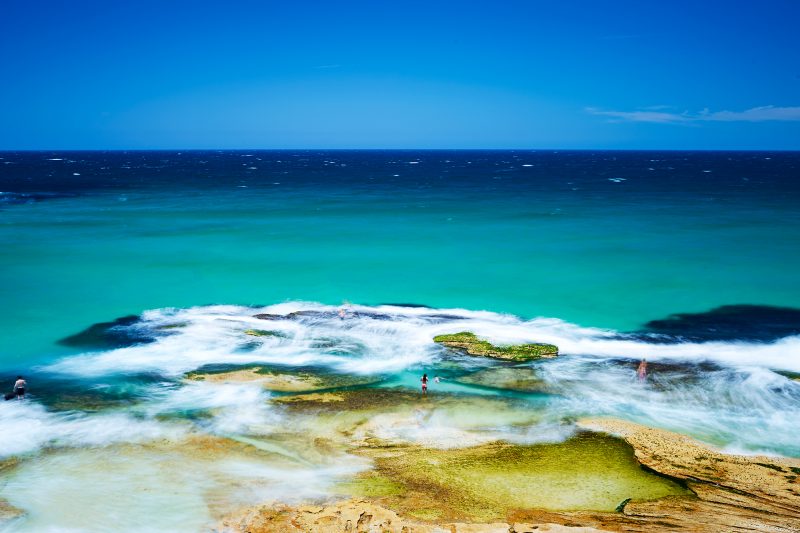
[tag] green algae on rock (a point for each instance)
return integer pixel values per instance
(371, 485)
(586, 472)
(470, 344)
(9, 512)
(279, 381)
(264, 333)
(270, 380)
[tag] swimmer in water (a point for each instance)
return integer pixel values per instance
(641, 372)
(424, 381)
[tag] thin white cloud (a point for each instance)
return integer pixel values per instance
(640, 116)
(756, 114)
(766, 113)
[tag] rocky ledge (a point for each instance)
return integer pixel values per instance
(732, 493)
(363, 516)
(469, 343)
(725, 493)
(280, 381)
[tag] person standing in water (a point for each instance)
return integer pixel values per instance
(424, 381)
(19, 388)
(641, 372)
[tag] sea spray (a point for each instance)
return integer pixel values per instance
(30, 428)
(723, 392)
(380, 339)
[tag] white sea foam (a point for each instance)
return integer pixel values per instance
(267, 484)
(397, 339)
(745, 408)
(30, 426)
(738, 402)
(235, 408)
(474, 425)
(157, 489)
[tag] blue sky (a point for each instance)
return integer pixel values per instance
(501, 74)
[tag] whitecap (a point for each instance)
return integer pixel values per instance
(234, 408)
(380, 339)
(31, 427)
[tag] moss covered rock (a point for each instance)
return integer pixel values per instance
(264, 333)
(469, 343)
(485, 483)
(277, 380)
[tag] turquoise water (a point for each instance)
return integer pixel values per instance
(582, 250)
(608, 254)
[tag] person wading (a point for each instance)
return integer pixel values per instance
(641, 372)
(19, 388)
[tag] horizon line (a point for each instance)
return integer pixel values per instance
(10, 150)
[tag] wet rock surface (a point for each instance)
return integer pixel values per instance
(277, 380)
(115, 334)
(722, 493)
(749, 322)
(363, 516)
(471, 344)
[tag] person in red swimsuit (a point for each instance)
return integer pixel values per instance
(424, 381)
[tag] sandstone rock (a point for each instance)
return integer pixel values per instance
(729, 493)
(734, 493)
(361, 516)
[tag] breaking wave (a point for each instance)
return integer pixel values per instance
(380, 339)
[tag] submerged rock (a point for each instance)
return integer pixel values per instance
(487, 482)
(761, 323)
(268, 316)
(274, 381)
(280, 381)
(323, 315)
(349, 313)
(470, 344)
(438, 318)
(264, 333)
(104, 335)
(8, 512)
(521, 379)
